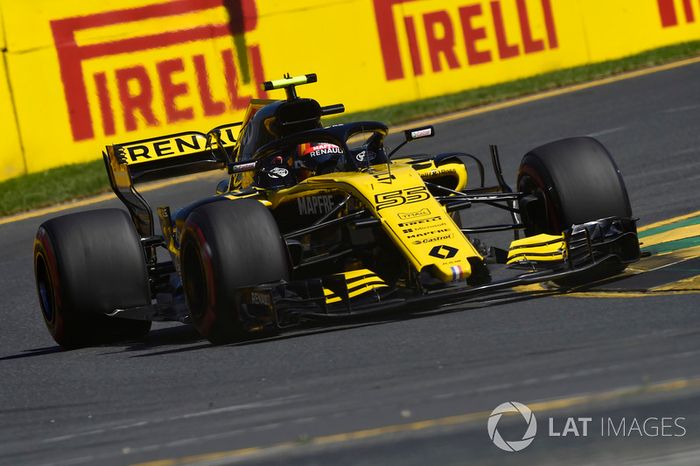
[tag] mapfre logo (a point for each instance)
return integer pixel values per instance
(114, 83)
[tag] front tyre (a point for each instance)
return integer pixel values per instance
(571, 182)
(86, 265)
(227, 245)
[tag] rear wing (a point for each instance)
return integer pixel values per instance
(172, 155)
(186, 153)
(164, 157)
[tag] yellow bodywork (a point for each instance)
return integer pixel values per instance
(429, 171)
(538, 248)
(408, 213)
(359, 282)
(411, 217)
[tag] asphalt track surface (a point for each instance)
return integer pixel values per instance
(398, 389)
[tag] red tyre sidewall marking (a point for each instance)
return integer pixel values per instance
(43, 243)
(204, 251)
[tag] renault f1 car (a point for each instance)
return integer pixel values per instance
(318, 222)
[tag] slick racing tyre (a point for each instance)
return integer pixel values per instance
(568, 182)
(227, 245)
(87, 265)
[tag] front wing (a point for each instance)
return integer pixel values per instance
(595, 250)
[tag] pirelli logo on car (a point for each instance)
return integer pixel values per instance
(130, 69)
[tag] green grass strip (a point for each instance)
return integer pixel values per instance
(81, 180)
(401, 113)
(671, 226)
(53, 186)
(673, 245)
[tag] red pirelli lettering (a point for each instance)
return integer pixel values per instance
(105, 104)
(413, 45)
(667, 10)
(689, 13)
(472, 34)
(478, 21)
(505, 49)
(530, 44)
(237, 102)
(210, 106)
(443, 44)
(550, 24)
(388, 37)
(141, 100)
(71, 55)
(172, 90)
(669, 14)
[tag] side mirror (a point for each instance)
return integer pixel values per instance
(413, 134)
(419, 133)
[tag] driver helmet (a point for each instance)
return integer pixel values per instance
(316, 159)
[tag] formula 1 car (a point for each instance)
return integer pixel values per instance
(317, 222)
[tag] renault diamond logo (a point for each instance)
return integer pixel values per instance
(444, 252)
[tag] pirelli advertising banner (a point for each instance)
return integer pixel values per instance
(11, 157)
(78, 75)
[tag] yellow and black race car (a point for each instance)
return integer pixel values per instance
(319, 222)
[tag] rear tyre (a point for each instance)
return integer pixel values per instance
(86, 265)
(225, 246)
(567, 182)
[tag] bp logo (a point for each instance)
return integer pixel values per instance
(512, 445)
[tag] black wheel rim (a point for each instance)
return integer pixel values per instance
(539, 222)
(194, 280)
(45, 289)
